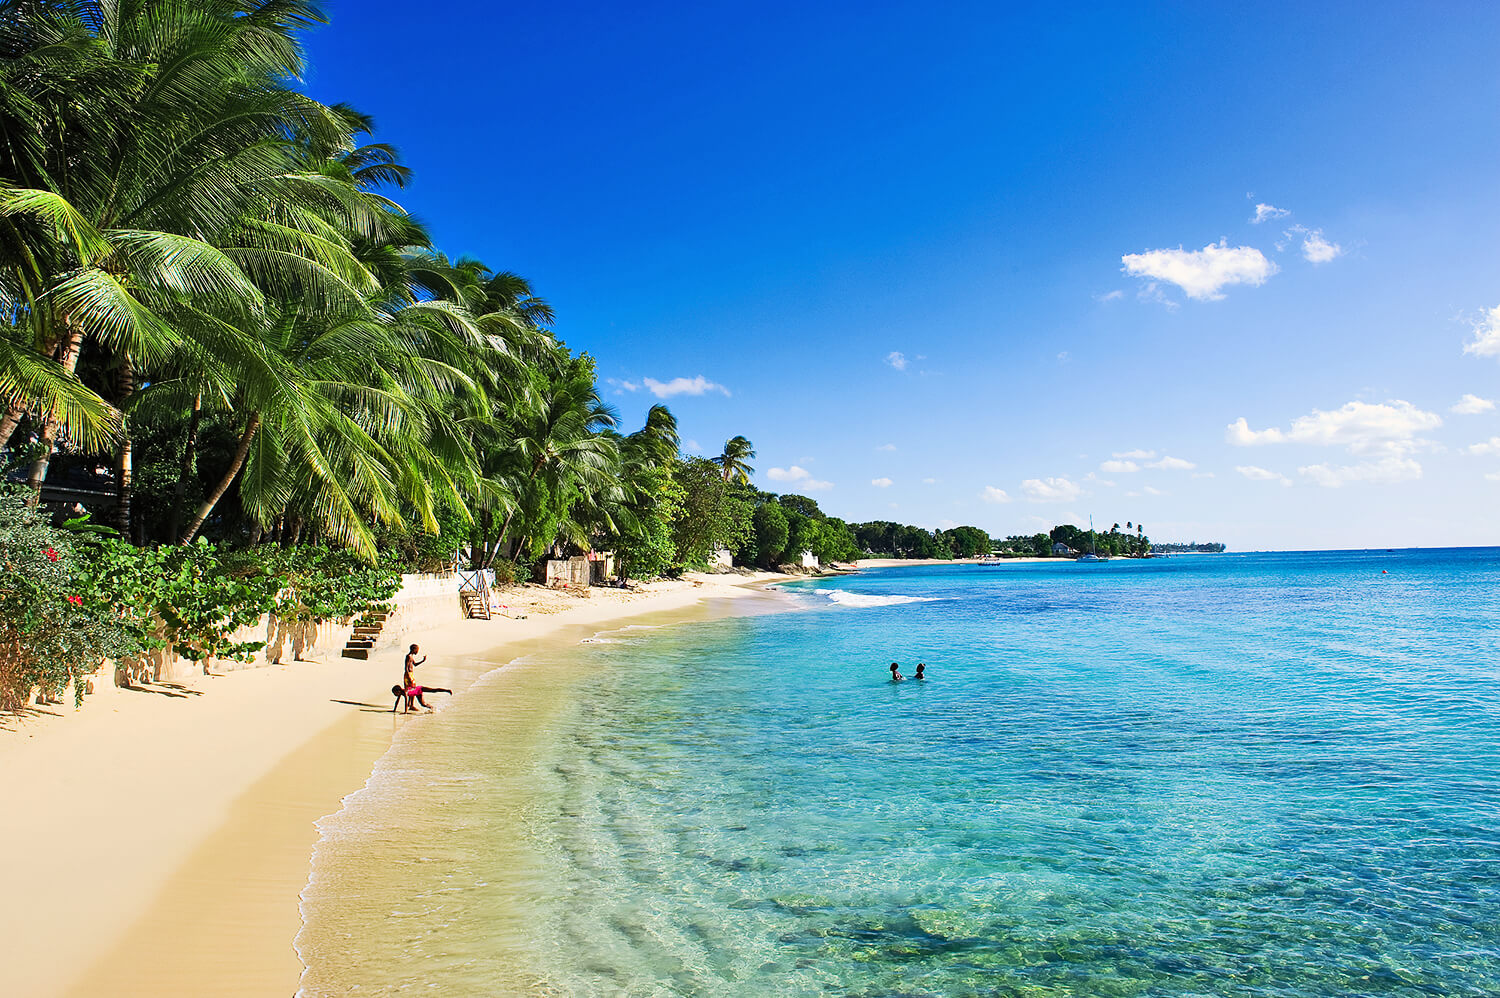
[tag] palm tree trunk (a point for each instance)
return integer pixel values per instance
(185, 468)
(240, 453)
(124, 457)
(72, 347)
(10, 421)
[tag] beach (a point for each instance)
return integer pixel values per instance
(1175, 777)
(161, 835)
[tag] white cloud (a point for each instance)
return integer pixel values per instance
(992, 494)
(1493, 476)
(886, 447)
(1063, 357)
(1202, 274)
(1384, 471)
(1050, 490)
(1471, 405)
(897, 359)
(1490, 446)
(1268, 211)
(881, 483)
(1119, 467)
(622, 386)
(1203, 474)
(948, 524)
(800, 476)
(1255, 474)
(1150, 491)
(682, 386)
(1486, 342)
(1385, 428)
(929, 481)
(693, 447)
(1136, 455)
(1317, 249)
(1170, 463)
(1114, 295)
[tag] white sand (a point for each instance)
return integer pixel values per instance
(156, 839)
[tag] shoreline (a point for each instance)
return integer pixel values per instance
(902, 562)
(178, 819)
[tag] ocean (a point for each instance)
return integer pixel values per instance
(1258, 774)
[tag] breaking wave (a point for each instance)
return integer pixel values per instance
(845, 598)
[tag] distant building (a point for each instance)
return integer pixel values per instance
(1061, 548)
(809, 560)
(721, 558)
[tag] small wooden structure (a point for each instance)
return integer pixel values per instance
(474, 591)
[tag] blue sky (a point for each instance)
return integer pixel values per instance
(997, 264)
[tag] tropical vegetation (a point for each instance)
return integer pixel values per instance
(224, 336)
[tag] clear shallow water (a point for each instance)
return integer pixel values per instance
(1215, 775)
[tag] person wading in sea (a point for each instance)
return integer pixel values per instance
(896, 676)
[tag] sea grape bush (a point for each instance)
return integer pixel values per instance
(319, 583)
(76, 596)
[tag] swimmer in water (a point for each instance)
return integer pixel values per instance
(896, 676)
(920, 667)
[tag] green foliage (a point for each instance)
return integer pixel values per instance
(647, 547)
(55, 628)
(507, 572)
(712, 516)
(320, 583)
(968, 542)
(187, 598)
(771, 534)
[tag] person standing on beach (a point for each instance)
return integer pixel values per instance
(896, 676)
(409, 681)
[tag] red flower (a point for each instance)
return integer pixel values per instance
(76, 600)
(51, 554)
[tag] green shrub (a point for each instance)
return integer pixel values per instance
(55, 626)
(506, 572)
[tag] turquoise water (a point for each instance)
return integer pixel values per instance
(1212, 775)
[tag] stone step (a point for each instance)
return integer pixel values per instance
(360, 653)
(359, 643)
(367, 632)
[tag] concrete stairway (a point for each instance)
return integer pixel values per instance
(367, 628)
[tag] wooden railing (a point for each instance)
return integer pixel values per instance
(474, 590)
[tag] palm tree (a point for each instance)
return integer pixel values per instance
(556, 447)
(734, 463)
(142, 137)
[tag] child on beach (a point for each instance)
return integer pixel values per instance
(409, 687)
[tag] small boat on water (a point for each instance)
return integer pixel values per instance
(1093, 554)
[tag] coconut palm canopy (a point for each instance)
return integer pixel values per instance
(212, 298)
(735, 461)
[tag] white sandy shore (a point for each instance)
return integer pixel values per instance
(157, 839)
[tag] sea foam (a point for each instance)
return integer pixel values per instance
(845, 598)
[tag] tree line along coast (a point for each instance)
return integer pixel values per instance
(237, 377)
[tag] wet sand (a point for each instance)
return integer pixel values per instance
(160, 837)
